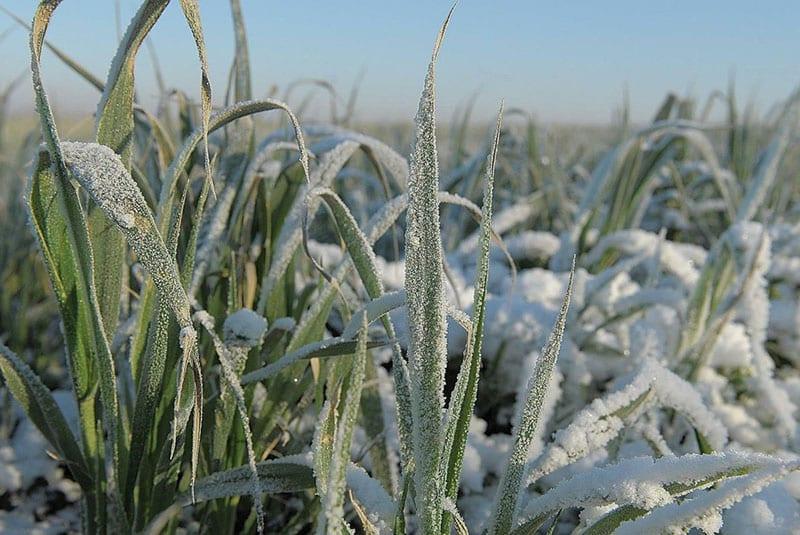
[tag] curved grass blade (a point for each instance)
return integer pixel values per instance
(47, 205)
(366, 524)
(330, 347)
(451, 509)
(191, 11)
(274, 476)
(378, 226)
(220, 119)
(291, 235)
(115, 110)
(115, 129)
(600, 422)
(101, 172)
(376, 150)
(224, 212)
(73, 263)
(363, 258)
(767, 169)
(640, 484)
(704, 510)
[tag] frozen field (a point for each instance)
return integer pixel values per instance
(234, 319)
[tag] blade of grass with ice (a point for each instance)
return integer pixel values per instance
(596, 425)
(303, 209)
(465, 392)
(767, 169)
(151, 385)
(53, 233)
(527, 421)
(366, 524)
(330, 347)
(191, 11)
(451, 509)
(426, 310)
(322, 444)
(276, 476)
(219, 120)
(48, 203)
(149, 390)
(377, 227)
(704, 510)
(363, 259)
(640, 484)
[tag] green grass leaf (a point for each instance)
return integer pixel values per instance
(426, 307)
(274, 477)
(465, 392)
(527, 423)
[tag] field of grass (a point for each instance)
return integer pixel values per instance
(233, 320)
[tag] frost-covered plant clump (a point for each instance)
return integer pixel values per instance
(281, 326)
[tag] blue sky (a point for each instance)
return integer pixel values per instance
(562, 61)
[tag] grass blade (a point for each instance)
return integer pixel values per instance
(242, 85)
(508, 491)
(219, 120)
(703, 511)
(465, 393)
(426, 307)
(191, 11)
(274, 476)
(363, 258)
(330, 347)
(232, 360)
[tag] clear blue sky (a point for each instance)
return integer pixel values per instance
(564, 61)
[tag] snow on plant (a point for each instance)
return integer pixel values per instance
(646, 483)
